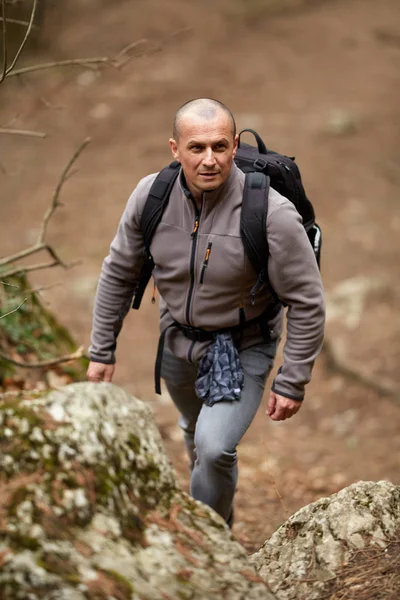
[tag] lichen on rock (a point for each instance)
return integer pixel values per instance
(92, 510)
(313, 544)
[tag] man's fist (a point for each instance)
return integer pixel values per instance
(99, 372)
(280, 408)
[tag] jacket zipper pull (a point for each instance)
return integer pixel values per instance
(195, 228)
(205, 263)
(153, 297)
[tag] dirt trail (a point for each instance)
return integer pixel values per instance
(321, 83)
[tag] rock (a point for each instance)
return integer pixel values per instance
(313, 544)
(341, 122)
(90, 508)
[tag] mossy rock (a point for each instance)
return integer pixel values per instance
(93, 510)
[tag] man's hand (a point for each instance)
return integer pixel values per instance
(280, 408)
(99, 372)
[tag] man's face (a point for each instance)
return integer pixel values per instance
(205, 149)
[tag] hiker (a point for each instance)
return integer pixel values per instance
(220, 323)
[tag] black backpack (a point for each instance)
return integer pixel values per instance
(263, 168)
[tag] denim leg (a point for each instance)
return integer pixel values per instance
(213, 432)
(220, 428)
(179, 377)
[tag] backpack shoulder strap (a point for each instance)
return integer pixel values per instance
(153, 210)
(157, 201)
(253, 221)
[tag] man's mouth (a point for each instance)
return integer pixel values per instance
(208, 174)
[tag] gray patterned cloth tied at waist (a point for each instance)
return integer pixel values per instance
(220, 375)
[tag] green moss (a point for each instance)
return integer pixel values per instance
(134, 443)
(32, 328)
(150, 473)
(19, 542)
(70, 481)
(124, 585)
(104, 484)
(21, 411)
(59, 565)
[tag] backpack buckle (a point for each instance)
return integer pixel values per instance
(260, 164)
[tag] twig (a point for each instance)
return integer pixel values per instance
(61, 63)
(54, 203)
(130, 46)
(13, 311)
(18, 54)
(351, 372)
(39, 267)
(28, 252)
(79, 353)
(4, 28)
(44, 287)
(40, 244)
(16, 21)
(10, 284)
(25, 132)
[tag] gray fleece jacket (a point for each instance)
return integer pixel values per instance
(212, 296)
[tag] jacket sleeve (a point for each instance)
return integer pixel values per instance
(119, 275)
(294, 275)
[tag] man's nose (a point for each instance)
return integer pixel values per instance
(209, 158)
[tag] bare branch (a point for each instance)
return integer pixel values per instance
(10, 284)
(22, 254)
(39, 267)
(61, 63)
(25, 132)
(45, 287)
(4, 28)
(79, 353)
(63, 177)
(15, 21)
(13, 311)
(40, 244)
(18, 54)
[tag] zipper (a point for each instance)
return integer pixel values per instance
(193, 235)
(205, 263)
(289, 170)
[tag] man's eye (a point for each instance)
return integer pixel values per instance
(195, 148)
(220, 147)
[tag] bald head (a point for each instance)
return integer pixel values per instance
(206, 109)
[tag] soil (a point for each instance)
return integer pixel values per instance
(319, 80)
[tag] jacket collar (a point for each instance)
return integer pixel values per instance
(212, 197)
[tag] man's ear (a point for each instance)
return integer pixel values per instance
(174, 148)
(235, 145)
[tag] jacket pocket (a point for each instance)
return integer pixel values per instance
(205, 262)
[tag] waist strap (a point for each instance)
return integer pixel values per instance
(203, 335)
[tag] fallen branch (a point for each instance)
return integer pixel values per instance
(24, 132)
(335, 363)
(79, 353)
(40, 243)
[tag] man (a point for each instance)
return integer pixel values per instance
(206, 282)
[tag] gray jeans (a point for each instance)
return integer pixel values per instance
(212, 432)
